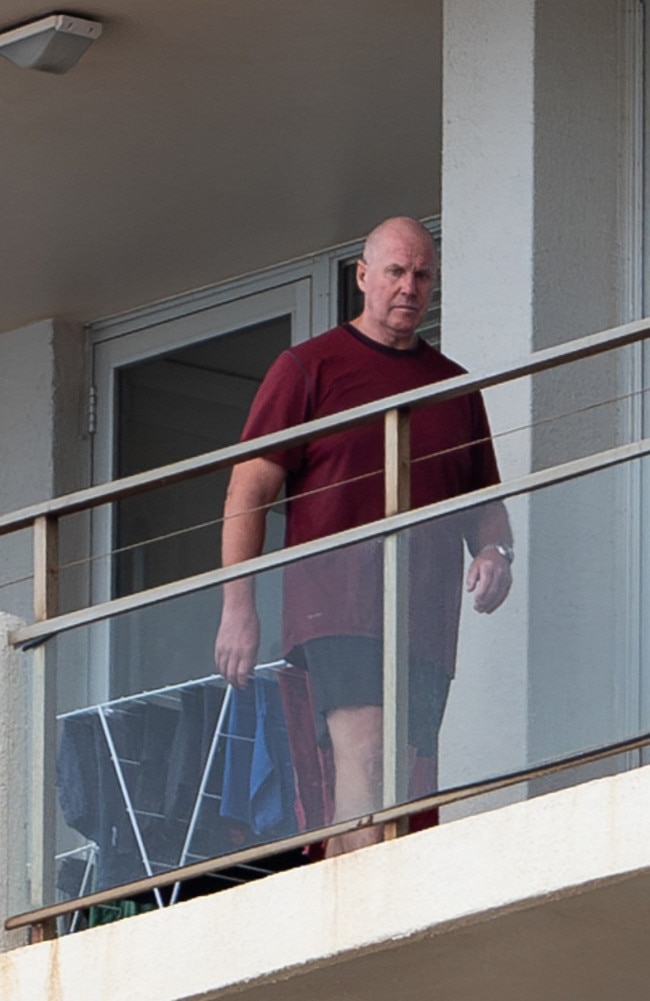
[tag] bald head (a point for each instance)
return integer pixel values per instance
(399, 227)
(396, 275)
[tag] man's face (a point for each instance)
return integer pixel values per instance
(397, 280)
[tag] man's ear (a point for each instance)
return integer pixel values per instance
(362, 267)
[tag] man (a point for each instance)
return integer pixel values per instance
(332, 613)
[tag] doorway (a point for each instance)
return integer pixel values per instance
(163, 406)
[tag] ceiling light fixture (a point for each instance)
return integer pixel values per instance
(53, 44)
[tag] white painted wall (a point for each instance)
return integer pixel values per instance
(26, 420)
(43, 441)
(44, 447)
(487, 226)
(14, 782)
(582, 679)
(533, 224)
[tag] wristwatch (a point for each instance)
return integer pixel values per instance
(503, 548)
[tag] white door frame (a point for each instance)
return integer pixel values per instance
(127, 341)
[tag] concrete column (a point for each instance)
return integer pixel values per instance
(488, 183)
(532, 235)
(584, 681)
(14, 783)
(487, 283)
(43, 441)
(44, 447)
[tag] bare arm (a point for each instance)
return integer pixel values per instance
(253, 486)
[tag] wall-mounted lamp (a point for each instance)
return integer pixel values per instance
(53, 44)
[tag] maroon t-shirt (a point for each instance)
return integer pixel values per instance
(337, 482)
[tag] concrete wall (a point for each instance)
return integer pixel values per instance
(14, 782)
(534, 222)
(579, 226)
(581, 677)
(44, 444)
(487, 227)
(26, 423)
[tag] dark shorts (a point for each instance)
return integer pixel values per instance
(348, 671)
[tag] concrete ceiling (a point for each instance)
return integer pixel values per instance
(199, 140)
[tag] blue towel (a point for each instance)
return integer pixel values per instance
(258, 783)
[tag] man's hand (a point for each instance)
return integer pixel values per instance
(235, 648)
(253, 486)
(489, 579)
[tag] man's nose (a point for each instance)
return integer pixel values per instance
(407, 285)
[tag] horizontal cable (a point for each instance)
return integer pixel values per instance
(539, 361)
(348, 481)
(17, 580)
(141, 544)
(88, 561)
(456, 795)
(42, 630)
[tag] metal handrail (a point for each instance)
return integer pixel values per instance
(37, 632)
(43, 517)
(539, 361)
(457, 794)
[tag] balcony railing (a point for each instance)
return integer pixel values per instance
(159, 784)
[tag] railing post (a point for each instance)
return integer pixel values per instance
(397, 452)
(43, 715)
(397, 474)
(46, 568)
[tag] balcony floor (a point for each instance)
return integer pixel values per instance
(544, 899)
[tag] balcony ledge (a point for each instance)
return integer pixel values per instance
(547, 898)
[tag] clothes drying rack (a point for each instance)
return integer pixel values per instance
(167, 692)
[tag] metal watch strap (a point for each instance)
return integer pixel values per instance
(503, 548)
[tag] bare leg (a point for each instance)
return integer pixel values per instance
(356, 734)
